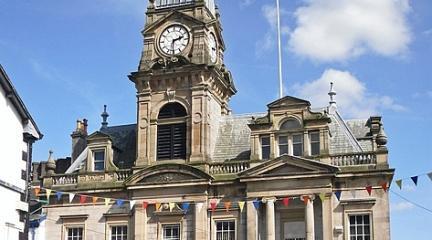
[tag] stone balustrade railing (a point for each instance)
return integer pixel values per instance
(75, 178)
(352, 159)
(229, 167)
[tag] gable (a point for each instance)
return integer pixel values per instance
(174, 16)
(168, 174)
(289, 165)
(288, 101)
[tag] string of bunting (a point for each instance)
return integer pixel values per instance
(213, 203)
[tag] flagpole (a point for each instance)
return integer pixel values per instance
(279, 49)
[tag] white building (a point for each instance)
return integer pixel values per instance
(19, 131)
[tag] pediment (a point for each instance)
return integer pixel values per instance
(288, 101)
(289, 165)
(168, 174)
(98, 135)
(174, 16)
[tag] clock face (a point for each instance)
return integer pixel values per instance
(174, 39)
(212, 47)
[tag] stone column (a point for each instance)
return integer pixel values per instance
(252, 221)
(309, 219)
(140, 224)
(270, 219)
(327, 216)
(200, 221)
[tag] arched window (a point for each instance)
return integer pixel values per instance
(171, 132)
(290, 123)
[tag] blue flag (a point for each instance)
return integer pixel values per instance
(185, 207)
(414, 179)
(256, 204)
(59, 195)
(119, 202)
(338, 194)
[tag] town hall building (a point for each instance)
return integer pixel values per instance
(190, 169)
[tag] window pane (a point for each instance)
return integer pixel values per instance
(265, 141)
(283, 149)
(225, 230)
(290, 124)
(171, 232)
(265, 147)
(99, 155)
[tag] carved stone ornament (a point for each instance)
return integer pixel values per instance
(143, 123)
(197, 118)
(170, 95)
(166, 178)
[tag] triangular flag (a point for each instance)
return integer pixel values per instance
(37, 190)
(227, 206)
(145, 205)
(338, 194)
(256, 203)
(430, 175)
(71, 197)
(119, 202)
(185, 206)
(322, 196)
(59, 195)
(171, 206)
(48, 193)
(384, 186)
(199, 205)
(369, 189)
(241, 205)
(285, 201)
(414, 179)
(399, 183)
(158, 205)
(83, 199)
(107, 201)
(213, 205)
(94, 200)
(305, 199)
(132, 204)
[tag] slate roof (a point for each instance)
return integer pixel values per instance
(124, 143)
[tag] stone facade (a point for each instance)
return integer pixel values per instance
(291, 152)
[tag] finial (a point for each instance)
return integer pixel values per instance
(332, 93)
(50, 165)
(105, 116)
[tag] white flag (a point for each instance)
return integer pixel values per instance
(71, 197)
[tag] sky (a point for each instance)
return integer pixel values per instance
(69, 58)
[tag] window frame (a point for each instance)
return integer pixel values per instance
(66, 228)
(94, 151)
(290, 143)
(118, 224)
(215, 221)
(311, 153)
(357, 213)
(180, 230)
(267, 146)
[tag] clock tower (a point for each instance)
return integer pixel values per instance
(183, 86)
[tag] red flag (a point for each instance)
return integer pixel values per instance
(83, 199)
(285, 201)
(213, 205)
(145, 205)
(305, 199)
(384, 186)
(369, 189)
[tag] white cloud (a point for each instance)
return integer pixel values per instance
(246, 3)
(268, 42)
(402, 206)
(337, 30)
(353, 98)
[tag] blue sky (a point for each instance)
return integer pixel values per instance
(69, 58)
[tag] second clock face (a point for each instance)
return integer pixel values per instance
(174, 39)
(212, 47)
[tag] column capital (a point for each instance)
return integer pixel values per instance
(268, 199)
(310, 196)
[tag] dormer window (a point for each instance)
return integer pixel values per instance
(99, 160)
(171, 132)
(265, 147)
(297, 145)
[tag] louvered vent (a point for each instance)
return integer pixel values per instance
(171, 138)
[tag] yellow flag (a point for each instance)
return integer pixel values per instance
(94, 200)
(107, 201)
(48, 193)
(322, 196)
(241, 205)
(157, 206)
(171, 206)
(399, 183)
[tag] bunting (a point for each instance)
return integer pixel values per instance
(384, 186)
(94, 200)
(107, 201)
(83, 199)
(185, 207)
(144, 205)
(227, 206)
(157, 205)
(71, 197)
(200, 205)
(132, 204)
(414, 179)
(399, 183)
(213, 205)
(48, 193)
(285, 201)
(338, 194)
(37, 190)
(58, 195)
(171, 206)
(119, 202)
(256, 204)
(241, 205)
(322, 196)
(305, 199)
(369, 189)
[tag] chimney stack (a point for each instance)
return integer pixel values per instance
(79, 136)
(104, 116)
